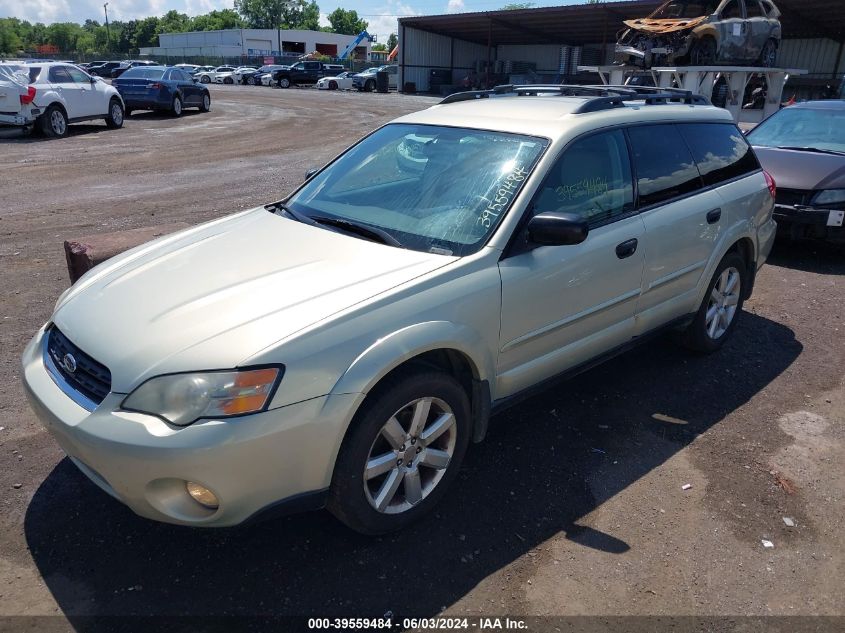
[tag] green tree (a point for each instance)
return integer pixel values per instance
(303, 15)
(379, 47)
(262, 14)
(392, 41)
(517, 5)
(63, 35)
(217, 20)
(346, 22)
(10, 41)
(145, 33)
(174, 22)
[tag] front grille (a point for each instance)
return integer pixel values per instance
(90, 378)
(793, 197)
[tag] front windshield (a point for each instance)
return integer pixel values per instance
(434, 189)
(802, 127)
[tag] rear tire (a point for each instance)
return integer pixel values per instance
(430, 453)
(176, 107)
(769, 54)
(721, 307)
(205, 79)
(54, 122)
(114, 120)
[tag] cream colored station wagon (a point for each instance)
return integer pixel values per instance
(442, 266)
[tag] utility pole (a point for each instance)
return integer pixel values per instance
(108, 33)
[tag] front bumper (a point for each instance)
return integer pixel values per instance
(805, 221)
(250, 463)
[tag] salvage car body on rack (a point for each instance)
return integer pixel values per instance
(703, 33)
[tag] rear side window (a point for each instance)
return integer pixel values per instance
(141, 72)
(60, 75)
(591, 179)
(720, 151)
(753, 10)
(665, 168)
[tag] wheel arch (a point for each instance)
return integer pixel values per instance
(455, 350)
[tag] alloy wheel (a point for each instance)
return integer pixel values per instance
(410, 455)
(58, 123)
(723, 303)
(116, 114)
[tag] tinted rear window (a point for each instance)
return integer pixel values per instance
(141, 72)
(720, 151)
(664, 166)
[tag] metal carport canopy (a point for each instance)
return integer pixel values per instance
(592, 23)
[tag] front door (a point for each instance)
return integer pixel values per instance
(733, 32)
(564, 305)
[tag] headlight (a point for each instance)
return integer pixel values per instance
(184, 398)
(830, 196)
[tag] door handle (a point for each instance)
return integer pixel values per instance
(627, 248)
(714, 216)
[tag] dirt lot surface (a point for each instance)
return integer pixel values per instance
(573, 505)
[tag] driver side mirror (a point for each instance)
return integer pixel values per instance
(311, 172)
(553, 228)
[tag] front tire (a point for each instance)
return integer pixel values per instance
(206, 103)
(719, 311)
(176, 107)
(704, 52)
(54, 122)
(403, 450)
(228, 80)
(370, 86)
(332, 85)
(284, 82)
(114, 120)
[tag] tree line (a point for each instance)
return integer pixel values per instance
(18, 36)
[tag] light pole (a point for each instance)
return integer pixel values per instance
(108, 33)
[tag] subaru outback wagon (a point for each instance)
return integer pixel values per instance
(343, 347)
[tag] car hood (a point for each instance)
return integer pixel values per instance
(213, 296)
(664, 25)
(793, 169)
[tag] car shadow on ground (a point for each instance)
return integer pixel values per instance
(544, 466)
(813, 256)
(18, 135)
(162, 114)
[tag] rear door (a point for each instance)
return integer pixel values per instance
(682, 223)
(564, 305)
(71, 92)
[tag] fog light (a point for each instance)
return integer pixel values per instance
(202, 495)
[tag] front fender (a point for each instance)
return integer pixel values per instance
(389, 352)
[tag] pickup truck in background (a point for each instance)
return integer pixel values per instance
(304, 73)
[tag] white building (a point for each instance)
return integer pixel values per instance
(254, 43)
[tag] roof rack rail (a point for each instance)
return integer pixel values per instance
(602, 97)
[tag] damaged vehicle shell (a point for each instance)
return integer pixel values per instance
(703, 33)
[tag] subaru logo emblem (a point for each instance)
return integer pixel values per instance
(69, 363)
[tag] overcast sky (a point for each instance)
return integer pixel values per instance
(381, 14)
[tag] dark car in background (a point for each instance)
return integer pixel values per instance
(161, 88)
(117, 72)
(703, 33)
(248, 78)
(103, 70)
(803, 148)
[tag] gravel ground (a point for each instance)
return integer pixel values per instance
(574, 504)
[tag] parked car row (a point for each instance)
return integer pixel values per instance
(50, 96)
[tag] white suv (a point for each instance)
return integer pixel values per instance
(52, 95)
(358, 334)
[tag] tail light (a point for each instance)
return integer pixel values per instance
(773, 188)
(29, 96)
(154, 86)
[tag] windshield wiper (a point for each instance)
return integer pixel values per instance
(816, 150)
(364, 230)
(296, 215)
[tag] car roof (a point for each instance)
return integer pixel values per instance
(553, 116)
